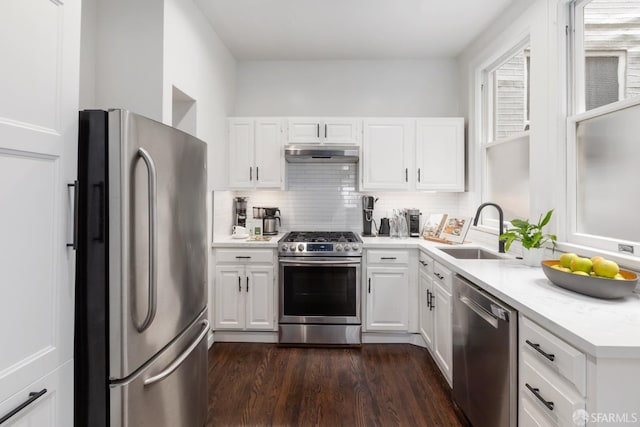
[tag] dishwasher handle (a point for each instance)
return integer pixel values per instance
(480, 311)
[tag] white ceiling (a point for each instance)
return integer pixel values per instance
(349, 29)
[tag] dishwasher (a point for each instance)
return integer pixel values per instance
(485, 360)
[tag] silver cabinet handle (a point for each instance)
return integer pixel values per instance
(318, 130)
(418, 174)
(153, 238)
(480, 311)
(76, 195)
(325, 130)
(180, 359)
(250, 173)
(257, 173)
(406, 174)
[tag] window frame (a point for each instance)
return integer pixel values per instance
(573, 240)
(487, 118)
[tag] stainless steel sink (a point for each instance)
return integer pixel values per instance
(471, 253)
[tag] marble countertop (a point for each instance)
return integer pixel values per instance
(601, 328)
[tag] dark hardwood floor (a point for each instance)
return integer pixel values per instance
(377, 385)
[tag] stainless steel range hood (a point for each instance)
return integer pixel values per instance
(321, 154)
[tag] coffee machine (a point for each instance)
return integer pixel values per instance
(240, 211)
(368, 203)
(269, 224)
(413, 221)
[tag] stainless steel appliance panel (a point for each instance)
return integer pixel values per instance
(157, 230)
(319, 334)
(484, 356)
(320, 290)
(171, 390)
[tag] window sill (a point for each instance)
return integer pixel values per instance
(512, 138)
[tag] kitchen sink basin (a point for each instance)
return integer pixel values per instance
(471, 253)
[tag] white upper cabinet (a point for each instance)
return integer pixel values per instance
(255, 153)
(386, 154)
(440, 154)
(313, 130)
(40, 50)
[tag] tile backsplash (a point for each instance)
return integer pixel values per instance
(324, 196)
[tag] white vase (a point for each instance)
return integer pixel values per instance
(533, 257)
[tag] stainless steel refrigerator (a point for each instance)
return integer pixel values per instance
(141, 295)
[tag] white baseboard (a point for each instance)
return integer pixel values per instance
(253, 336)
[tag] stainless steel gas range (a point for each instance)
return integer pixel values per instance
(320, 288)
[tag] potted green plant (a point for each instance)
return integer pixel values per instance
(531, 236)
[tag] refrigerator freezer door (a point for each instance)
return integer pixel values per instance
(172, 390)
(157, 237)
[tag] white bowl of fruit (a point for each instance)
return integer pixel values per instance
(597, 277)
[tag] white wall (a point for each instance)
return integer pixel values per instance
(199, 65)
(348, 88)
(128, 63)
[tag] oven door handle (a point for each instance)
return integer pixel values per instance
(319, 262)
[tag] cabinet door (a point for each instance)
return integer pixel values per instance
(229, 297)
(40, 50)
(385, 154)
(442, 345)
(268, 154)
(52, 404)
(341, 131)
(241, 152)
(440, 154)
(260, 297)
(303, 130)
(426, 311)
(387, 299)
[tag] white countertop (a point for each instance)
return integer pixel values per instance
(602, 328)
(230, 242)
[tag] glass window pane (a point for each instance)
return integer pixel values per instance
(607, 175)
(614, 27)
(601, 80)
(508, 178)
(510, 96)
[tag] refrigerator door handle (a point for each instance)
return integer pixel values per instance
(153, 239)
(180, 359)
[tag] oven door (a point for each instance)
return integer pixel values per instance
(320, 290)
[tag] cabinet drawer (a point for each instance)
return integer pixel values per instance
(532, 416)
(387, 257)
(548, 391)
(426, 262)
(442, 276)
(244, 256)
(544, 346)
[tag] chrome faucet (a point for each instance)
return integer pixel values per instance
(500, 219)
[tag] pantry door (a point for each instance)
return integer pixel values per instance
(39, 81)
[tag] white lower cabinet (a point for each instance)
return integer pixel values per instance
(244, 290)
(552, 378)
(387, 287)
(426, 309)
(387, 299)
(442, 344)
(50, 398)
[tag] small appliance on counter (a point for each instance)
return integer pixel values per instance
(413, 221)
(368, 203)
(269, 217)
(240, 211)
(385, 227)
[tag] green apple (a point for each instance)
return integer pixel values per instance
(565, 259)
(596, 259)
(581, 273)
(581, 264)
(606, 268)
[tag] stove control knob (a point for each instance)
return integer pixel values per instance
(284, 248)
(347, 248)
(292, 247)
(338, 247)
(301, 247)
(354, 248)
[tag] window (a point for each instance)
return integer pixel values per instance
(505, 140)
(606, 52)
(603, 151)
